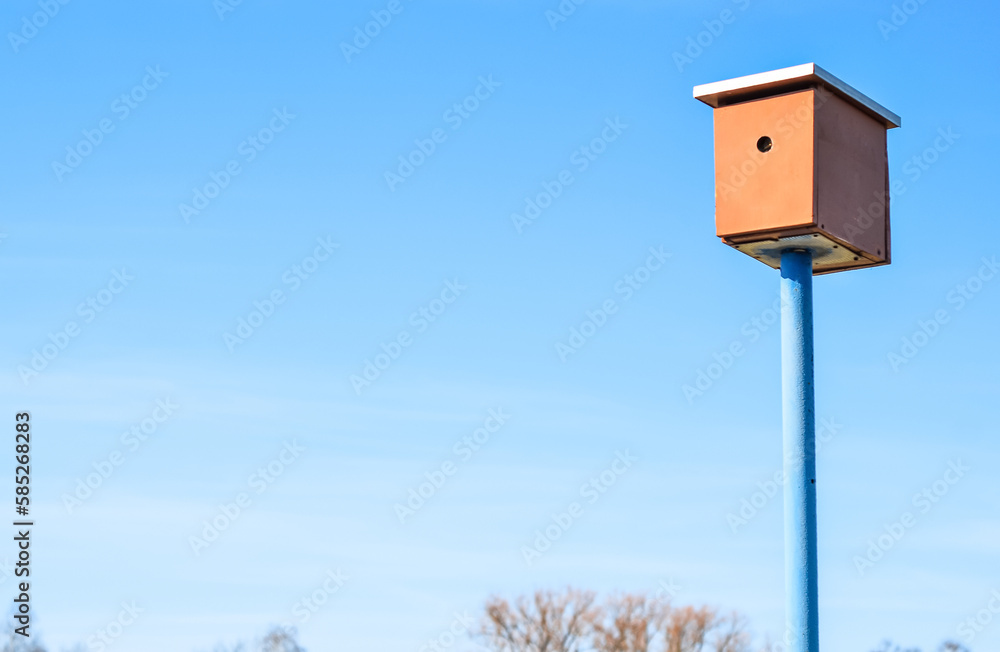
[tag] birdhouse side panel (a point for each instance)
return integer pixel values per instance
(852, 171)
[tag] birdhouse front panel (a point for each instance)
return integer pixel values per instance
(764, 172)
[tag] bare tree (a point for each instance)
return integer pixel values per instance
(634, 623)
(276, 640)
(549, 622)
(687, 629)
(571, 622)
(16, 643)
(281, 640)
(947, 646)
(888, 646)
(952, 646)
(631, 624)
(731, 634)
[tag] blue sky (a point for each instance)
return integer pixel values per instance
(308, 230)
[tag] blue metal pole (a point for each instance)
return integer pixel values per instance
(799, 433)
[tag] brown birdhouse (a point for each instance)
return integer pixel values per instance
(801, 162)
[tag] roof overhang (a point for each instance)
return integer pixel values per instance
(776, 82)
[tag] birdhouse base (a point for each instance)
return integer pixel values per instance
(829, 254)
